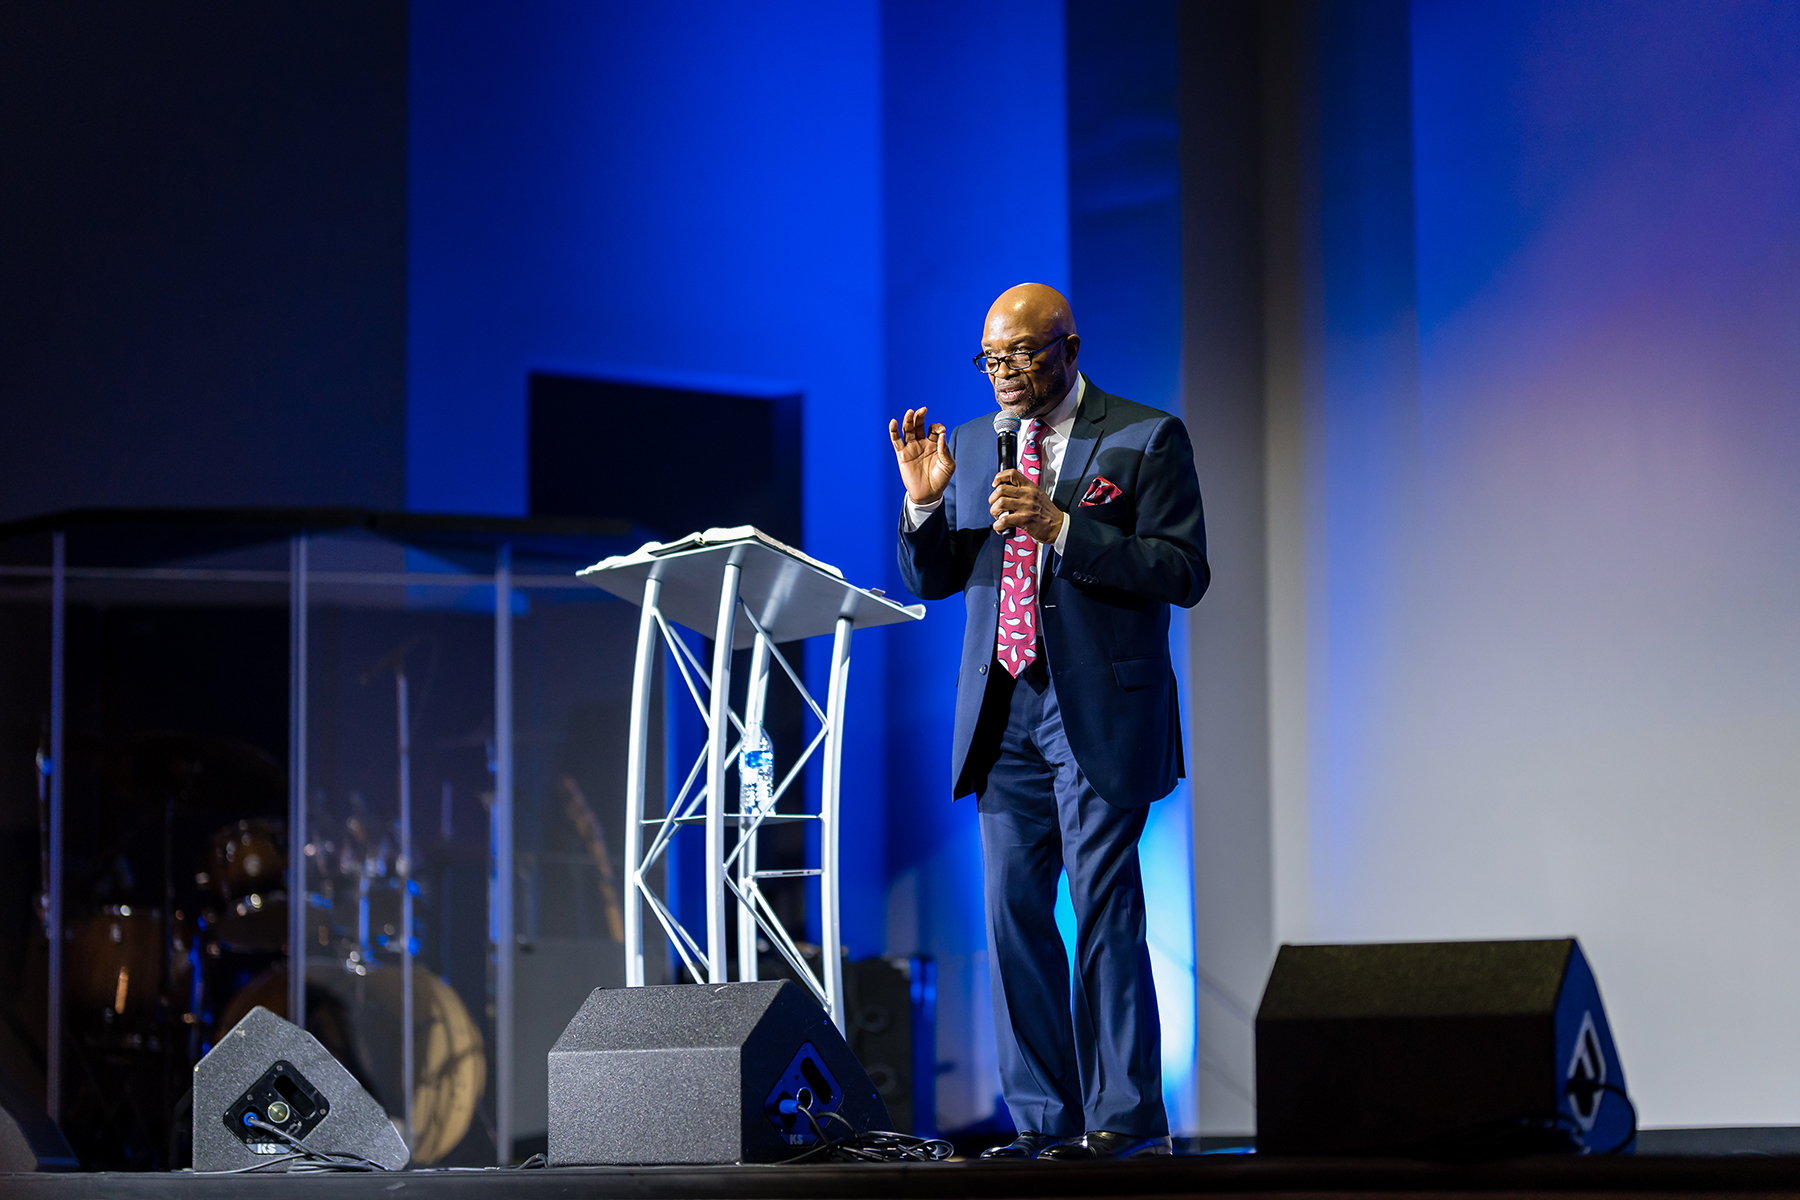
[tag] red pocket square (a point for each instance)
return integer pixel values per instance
(1101, 491)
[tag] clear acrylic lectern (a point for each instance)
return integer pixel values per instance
(743, 589)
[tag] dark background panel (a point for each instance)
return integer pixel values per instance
(203, 287)
(670, 459)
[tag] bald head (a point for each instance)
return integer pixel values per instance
(1031, 317)
(1035, 308)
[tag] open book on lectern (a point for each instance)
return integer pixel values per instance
(781, 592)
(713, 537)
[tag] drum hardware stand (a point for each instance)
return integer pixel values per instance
(403, 869)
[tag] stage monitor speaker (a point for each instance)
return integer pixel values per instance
(268, 1071)
(1462, 1049)
(880, 1013)
(29, 1139)
(703, 1073)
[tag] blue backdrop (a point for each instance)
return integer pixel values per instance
(818, 198)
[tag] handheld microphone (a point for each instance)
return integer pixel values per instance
(1006, 434)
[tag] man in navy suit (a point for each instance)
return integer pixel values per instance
(1066, 716)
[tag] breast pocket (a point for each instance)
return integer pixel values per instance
(1134, 673)
(1113, 512)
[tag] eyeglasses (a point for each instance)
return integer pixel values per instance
(1019, 360)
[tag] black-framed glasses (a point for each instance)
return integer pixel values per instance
(1018, 360)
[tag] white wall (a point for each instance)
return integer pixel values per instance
(1553, 561)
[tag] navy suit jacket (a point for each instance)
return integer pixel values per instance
(1104, 601)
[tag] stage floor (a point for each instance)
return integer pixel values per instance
(1210, 1175)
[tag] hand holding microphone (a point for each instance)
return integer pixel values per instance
(1016, 502)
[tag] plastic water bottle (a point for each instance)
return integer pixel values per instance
(756, 771)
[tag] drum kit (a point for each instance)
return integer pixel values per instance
(152, 981)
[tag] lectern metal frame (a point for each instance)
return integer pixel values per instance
(744, 590)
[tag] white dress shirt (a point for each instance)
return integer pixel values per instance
(1052, 443)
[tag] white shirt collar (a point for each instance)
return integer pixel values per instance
(1061, 419)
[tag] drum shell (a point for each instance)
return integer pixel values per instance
(247, 857)
(117, 965)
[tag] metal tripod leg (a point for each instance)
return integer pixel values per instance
(755, 710)
(718, 736)
(831, 964)
(636, 762)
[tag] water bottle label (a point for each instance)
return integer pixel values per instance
(755, 772)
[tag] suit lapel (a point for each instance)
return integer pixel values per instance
(1084, 440)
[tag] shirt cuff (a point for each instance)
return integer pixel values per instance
(914, 515)
(1062, 536)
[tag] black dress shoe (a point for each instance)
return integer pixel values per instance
(1101, 1144)
(1026, 1145)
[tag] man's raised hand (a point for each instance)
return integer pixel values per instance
(924, 459)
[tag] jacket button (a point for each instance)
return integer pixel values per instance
(981, 670)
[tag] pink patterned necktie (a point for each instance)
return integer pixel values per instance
(1016, 644)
